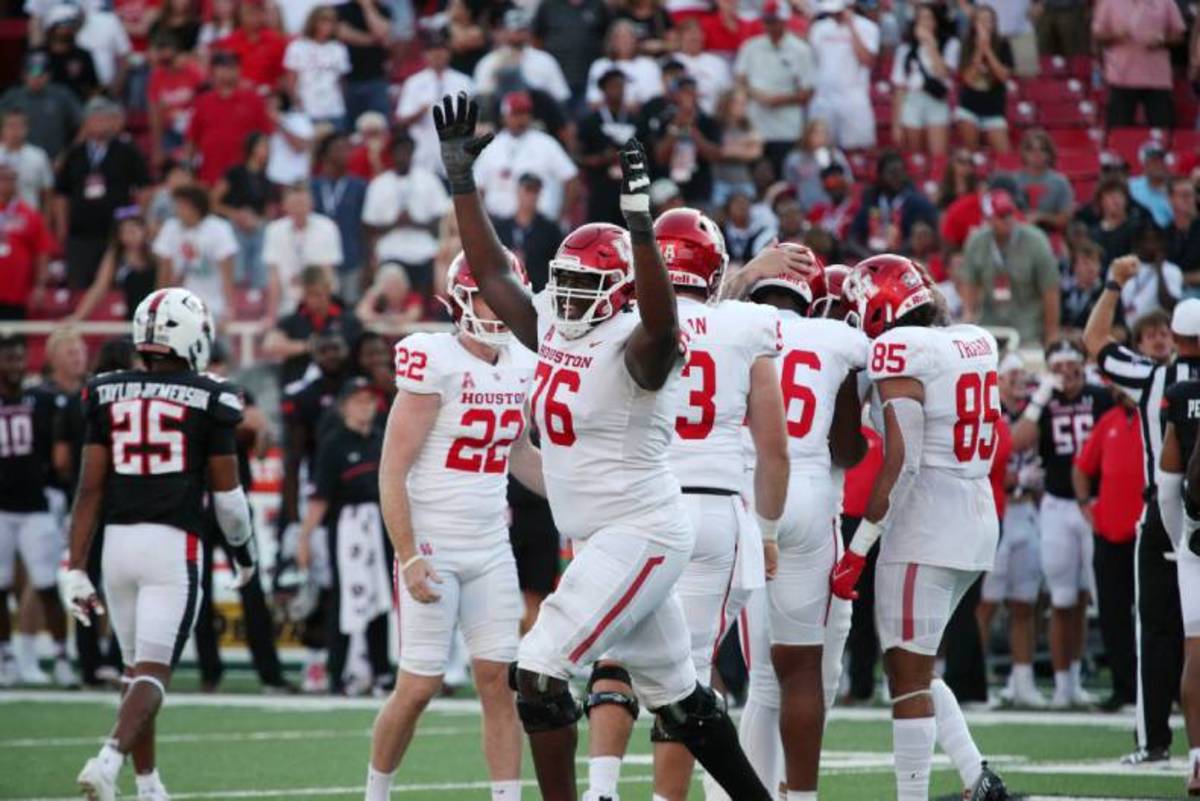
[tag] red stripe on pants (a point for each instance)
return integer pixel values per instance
(910, 587)
(617, 608)
(193, 547)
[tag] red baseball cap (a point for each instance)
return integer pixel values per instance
(770, 9)
(517, 102)
(997, 203)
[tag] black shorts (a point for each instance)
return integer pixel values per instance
(535, 547)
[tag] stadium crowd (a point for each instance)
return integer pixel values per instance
(279, 160)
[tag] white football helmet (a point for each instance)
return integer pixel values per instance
(174, 321)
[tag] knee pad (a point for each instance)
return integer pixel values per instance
(624, 700)
(686, 721)
(544, 703)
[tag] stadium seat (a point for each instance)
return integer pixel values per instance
(1067, 114)
(249, 304)
(1066, 67)
(1048, 91)
(1185, 141)
(1077, 163)
(1007, 162)
(1126, 141)
(1084, 189)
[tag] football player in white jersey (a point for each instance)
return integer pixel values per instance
(730, 386)
(605, 402)
(443, 482)
(819, 377)
(932, 497)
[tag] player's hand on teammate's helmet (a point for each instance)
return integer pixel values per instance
(845, 575)
(455, 121)
(770, 262)
(771, 558)
(82, 597)
(417, 577)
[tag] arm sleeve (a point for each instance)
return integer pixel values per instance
(1129, 371)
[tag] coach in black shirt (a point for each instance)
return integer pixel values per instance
(530, 235)
(98, 176)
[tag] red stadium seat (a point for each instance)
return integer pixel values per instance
(1084, 189)
(1126, 141)
(1185, 141)
(1007, 162)
(918, 165)
(1078, 163)
(1066, 67)
(249, 304)
(1068, 114)
(1049, 91)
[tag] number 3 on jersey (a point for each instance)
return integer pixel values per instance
(557, 425)
(977, 402)
(701, 373)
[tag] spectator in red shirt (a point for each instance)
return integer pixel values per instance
(863, 643)
(223, 117)
(372, 154)
(259, 48)
(1105, 463)
(25, 247)
(137, 17)
(175, 81)
(724, 30)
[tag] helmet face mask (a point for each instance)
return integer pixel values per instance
(461, 295)
(174, 322)
(591, 278)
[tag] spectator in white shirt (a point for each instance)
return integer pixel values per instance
(299, 239)
(196, 250)
(402, 212)
(515, 51)
(519, 149)
(1158, 283)
(844, 45)
(315, 63)
(923, 76)
(777, 70)
(105, 38)
(643, 80)
(290, 154)
(35, 177)
(711, 72)
(421, 91)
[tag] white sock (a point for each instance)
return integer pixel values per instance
(1022, 677)
(379, 785)
(603, 774)
(758, 732)
(657, 797)
(1194, 759)
(110, 759)
(1076, 680)
(953, 735)
(23, 645)
(912, 743)
(800, 795)
(506, 790)
(147, 782)
(1062, 682)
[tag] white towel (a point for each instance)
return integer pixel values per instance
(366, 590)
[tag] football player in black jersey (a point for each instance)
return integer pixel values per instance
(157, 442)
(27, 526)
(1057, 420)
(1182, 521)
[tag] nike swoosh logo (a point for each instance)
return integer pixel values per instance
(639, 183)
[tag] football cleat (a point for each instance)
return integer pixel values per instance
(1193, 785)
(988, 787)
(8, 672)
(1082, 698)
(155, 792)
(32, 673)
(95, 784)
(1028, 698)
(1145, 756)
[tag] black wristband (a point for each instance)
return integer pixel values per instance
(461, 185)
(1113, 285)
(641, 227)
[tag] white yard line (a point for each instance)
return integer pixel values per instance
(470, 706)
(234, 736)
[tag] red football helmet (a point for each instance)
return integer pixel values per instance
(833, 304)
(692, 248)
(460, 296)
(808, 285)
(884, 288)
(591, 277)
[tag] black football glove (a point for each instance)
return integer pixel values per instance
(635, 189)
(455, 122)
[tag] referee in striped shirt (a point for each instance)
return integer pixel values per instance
(1160, 622)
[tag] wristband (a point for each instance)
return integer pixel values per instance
(865, 537)
(769, 528)
(412, 560)
(1112, 285)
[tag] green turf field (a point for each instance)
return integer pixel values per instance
(246, 747)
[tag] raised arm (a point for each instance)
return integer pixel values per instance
(1098, 331)
(653, 347)
(455, 121)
